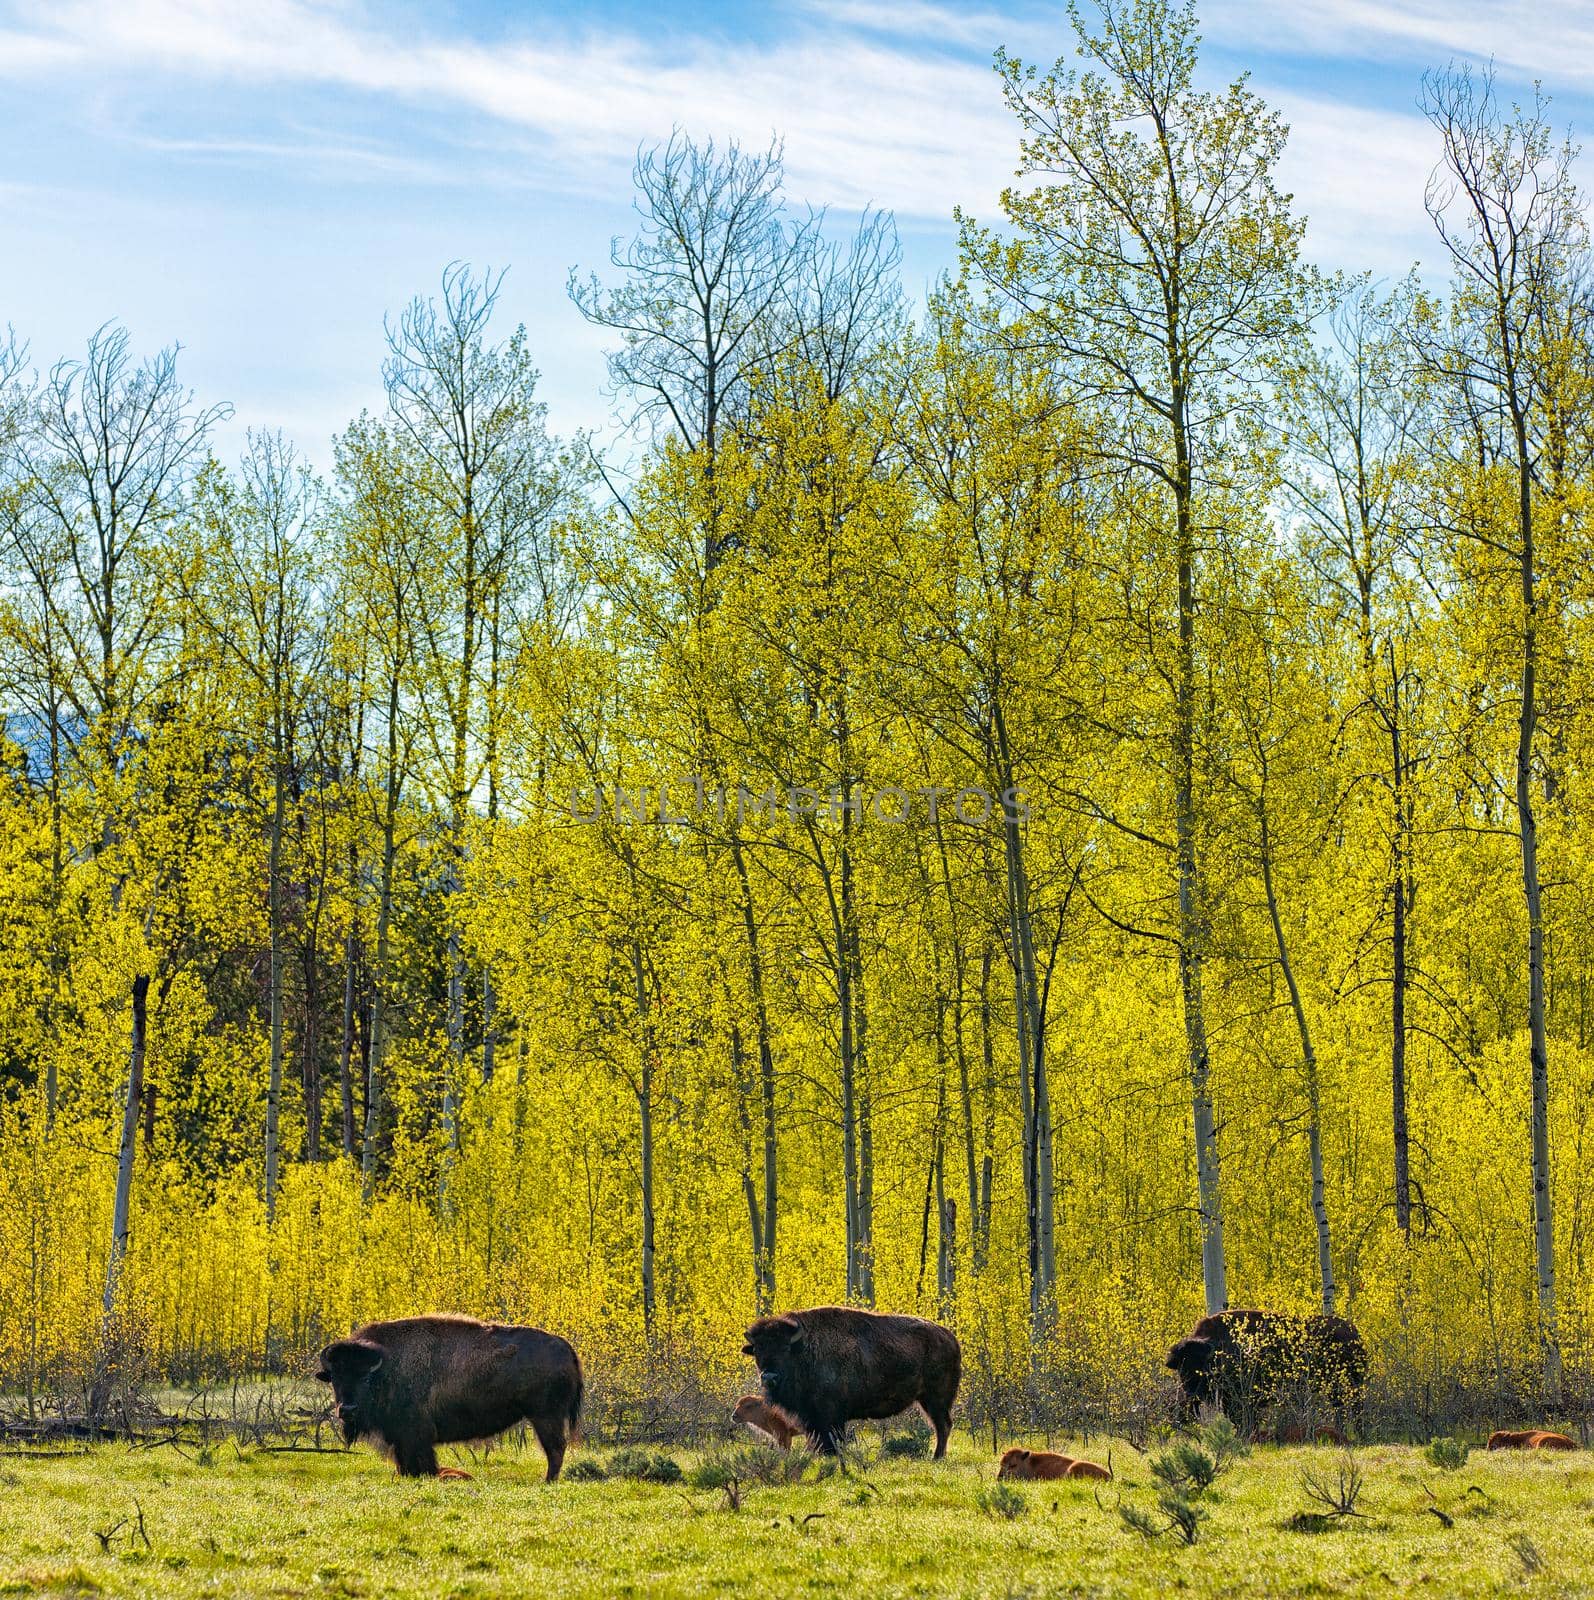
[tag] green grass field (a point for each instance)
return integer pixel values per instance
(267, 1524)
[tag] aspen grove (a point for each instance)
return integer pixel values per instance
(1058, 805)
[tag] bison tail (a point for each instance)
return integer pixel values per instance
(573, 1414)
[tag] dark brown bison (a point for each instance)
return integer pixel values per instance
(1244, 1361)
(769, 1422)
(418, 1382)
(1043, 1465)
(832, 1365)
(1530, 1439)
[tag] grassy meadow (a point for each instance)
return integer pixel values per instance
(253, 1522)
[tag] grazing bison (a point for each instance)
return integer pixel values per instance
(1530, 1439)
(769, 1422)
(1043, 1466)
(1242, 1361)
(418, 1382)
(833, 1365)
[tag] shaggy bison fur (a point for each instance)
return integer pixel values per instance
(769, 1422)
(418, 1382)
(832, 1365)
(1044, 1465)
(1530, 1439)
(1243, 1361)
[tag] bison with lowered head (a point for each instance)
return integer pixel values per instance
(418, 1382)
(1243, 1361)
(832, 1365)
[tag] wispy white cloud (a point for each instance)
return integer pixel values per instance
(868, 123)
(307, 153)
(885, 102)
(1531, 38)
(25, 53)
(926, 21)
(1359, 176)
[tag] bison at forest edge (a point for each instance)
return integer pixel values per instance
(1044, 1465)
(1243, 1361)
(418, 1382)
(832, 1365)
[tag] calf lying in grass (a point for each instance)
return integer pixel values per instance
(1529, 1439)
(1044, 1465)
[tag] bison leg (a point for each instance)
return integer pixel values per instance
(941, 1420)
(826, 1437)
(937, 1406)
(415, 1457)
(551, 1436)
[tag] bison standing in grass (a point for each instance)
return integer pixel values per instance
(1244, 1361)
(418, 1382)
(833, 1365)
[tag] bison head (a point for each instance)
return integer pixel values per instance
(349, 1366)
(772, 1342)
(1192, 1359)
(1015, 1464)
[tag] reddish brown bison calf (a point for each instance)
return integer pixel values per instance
(768, 1421)
(1043, 1466)
(832, 1365)
(1530, 1439)
(418, 1382)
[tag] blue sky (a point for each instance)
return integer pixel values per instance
(263, 179)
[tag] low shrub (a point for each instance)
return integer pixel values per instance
(1001, 1500)
(645, 1466)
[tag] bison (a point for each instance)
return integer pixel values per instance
(418, 1382)
(1529, 1439)
(832, 1365)
(1044, 1465)
(1243, 1361)
(767, 1421)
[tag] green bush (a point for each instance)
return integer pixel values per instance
(911, 1444)
(1001, 1500)
(1176, 1514)
(646, 1466)
(1185, 1465)
(1224, 1442)
(1189, 1467)
(714, 1472)
(764, 1463)
(1447, 1454)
